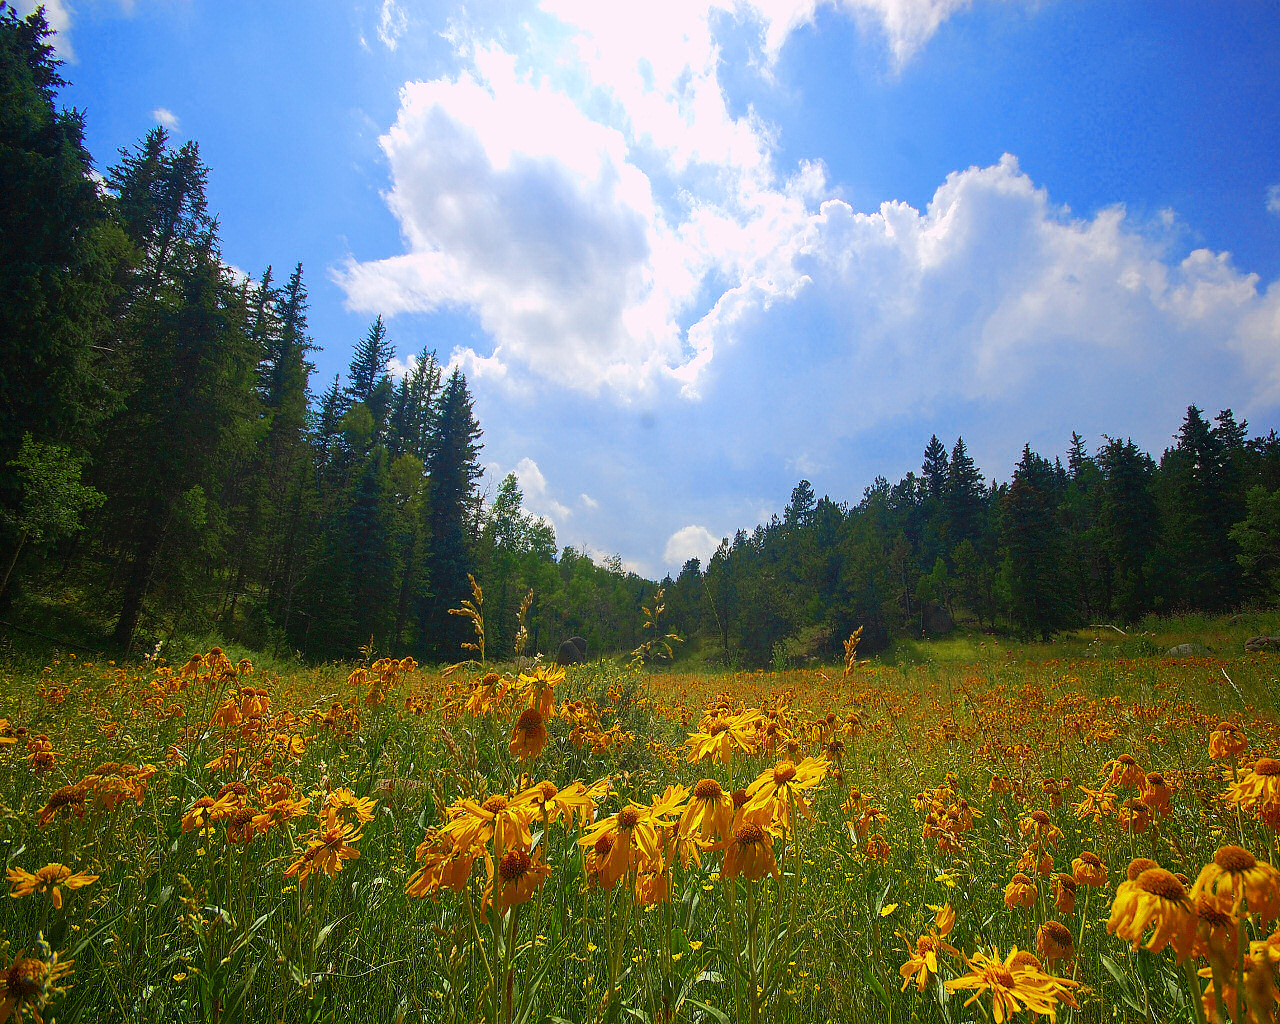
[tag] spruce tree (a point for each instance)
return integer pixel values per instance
(453, 468)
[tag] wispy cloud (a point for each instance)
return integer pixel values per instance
(1273, 199)
(393, 22)
(165, 116)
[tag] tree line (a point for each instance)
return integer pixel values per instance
(165, 464)
(1110, 537)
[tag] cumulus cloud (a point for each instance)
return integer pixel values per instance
(690, 542)
(166, 117)
(614, 226)
(537, 496)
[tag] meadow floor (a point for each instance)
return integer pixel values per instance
(214, 840)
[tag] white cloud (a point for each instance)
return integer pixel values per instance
(537, 496)
(1273, 199)
(690, 542)
(588, 502)
(613, 225)
(165, 116)
(393, 22)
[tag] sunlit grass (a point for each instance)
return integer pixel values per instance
(237, 838)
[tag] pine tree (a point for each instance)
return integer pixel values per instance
(59, 254)
(1029, 533)
(934, 468)
(453, 468)
(964, 497)
(1129, 525)
(190, 363)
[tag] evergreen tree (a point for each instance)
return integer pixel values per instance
(190, 363)
(964, 496)
(59, 255)
(453, 468)
(934, 468)
(1029, 532)
(1129, 525)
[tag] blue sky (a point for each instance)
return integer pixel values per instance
(689, 252)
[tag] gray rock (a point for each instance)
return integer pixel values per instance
(1255, 644)
(1188, 651)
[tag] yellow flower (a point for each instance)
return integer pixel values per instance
(1156, 898)
(1259, 792)
(504, 821)
(1098, 803)
(576, 800)
(1014, 984)
(1236, 873)
(709, 813)
(777, 789)
(515, 881)
(326, 849)
(344, 806)
(279, 813)
(720, 735)
(749, 852)
(48, 879)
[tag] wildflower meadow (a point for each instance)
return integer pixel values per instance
(1082, 839)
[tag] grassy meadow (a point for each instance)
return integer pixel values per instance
(951, 832)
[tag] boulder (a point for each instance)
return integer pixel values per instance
(1188, 651)
(1262, 643)
(572, 652)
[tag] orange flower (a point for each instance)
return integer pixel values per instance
(446, 864)
(529, 735)
(1156, 795)
(516, 880)
(1227, 742)
(66, 799)
(1124, 772)
(1236, 873)
(1054, 942)
(1064, 893)
(1020, 892)
(48, 879)
(1134, 816)
(1154, 898)
(1087, 869)
(749, 852)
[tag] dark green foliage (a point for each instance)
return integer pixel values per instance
(59, 254)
